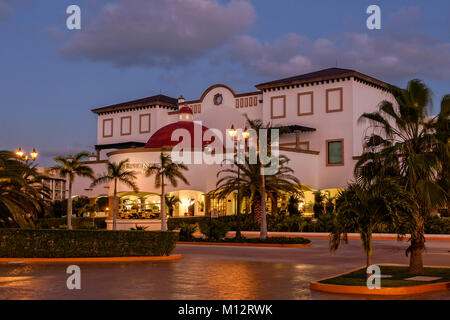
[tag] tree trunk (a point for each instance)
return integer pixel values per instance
(115, 206)
(417, 245)
(163, 207)
(69, 205)
(263, 233)
(368, 260)
(274, 201)
(257, 207)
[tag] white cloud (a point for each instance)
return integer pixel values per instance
(159, 32)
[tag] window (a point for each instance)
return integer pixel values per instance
(144, 123)
(107, 128)
(125, 126)
(278, 107)
(334, 100)
(335, 152)
(305, 103)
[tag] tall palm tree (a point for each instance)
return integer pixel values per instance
(69, 168)
(251, 180)
(166, 169)
(441, 125)
(362, 208)
(117, 172)
(171, 202)
(22, 195)
(404, 143)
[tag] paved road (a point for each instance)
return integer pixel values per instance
(212, 272)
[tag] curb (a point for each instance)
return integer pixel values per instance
(390, 291)
(270, 245)
(92, 259)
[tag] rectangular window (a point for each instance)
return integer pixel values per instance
(107, 128)
(305, 103)
(237, 103)
(335, 152)
(278, 107)
(125, 126)
(144, 123)
(334, 100)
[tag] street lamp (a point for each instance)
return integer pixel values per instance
(23, 156)
(233, 134)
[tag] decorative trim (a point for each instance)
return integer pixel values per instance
(122, 133)
(218, 96)
(284, 107)
(298, 150)
(341, 100)
(294, 144)
(299, 112)
(149, 115)
(112, 128)
(326, 153)
(92, 259)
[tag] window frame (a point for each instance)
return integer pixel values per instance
(327, 143)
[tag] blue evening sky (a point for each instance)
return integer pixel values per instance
(51, 77)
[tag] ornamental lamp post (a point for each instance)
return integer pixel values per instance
(233, 134)
(25, 157)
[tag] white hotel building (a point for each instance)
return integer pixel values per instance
(321, 109)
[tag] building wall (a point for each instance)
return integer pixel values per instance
(121, 132)
(278, 107)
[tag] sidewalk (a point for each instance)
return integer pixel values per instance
(376, 236)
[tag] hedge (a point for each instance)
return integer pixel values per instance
(77, 223)
(296, 223)
(32, 243)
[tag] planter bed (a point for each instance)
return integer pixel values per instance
(269, 242)
(354, 281)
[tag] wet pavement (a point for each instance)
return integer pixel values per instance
(213, 272)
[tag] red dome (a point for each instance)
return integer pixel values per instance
(185, 109)
(163, 137)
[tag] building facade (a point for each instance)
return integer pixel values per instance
(320, 111)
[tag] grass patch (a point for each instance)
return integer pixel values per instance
(275, 240)
(398, 273)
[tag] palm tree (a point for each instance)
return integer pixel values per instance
(250, 182)
(117, 172)
(171, 202)
(22, 195)
(404, 143)
(362, 208)
(69, 168)
(166, 169)
(441, 125)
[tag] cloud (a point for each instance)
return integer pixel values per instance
(5, 10)
(281, 57)
(393, 54)
(160, 32)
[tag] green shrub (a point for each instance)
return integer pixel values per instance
(214, 229)
(277, 240)
(77, 223)
(175, 223)
(437, 225)
(186, 231)
(31, 243)
(291, 224)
